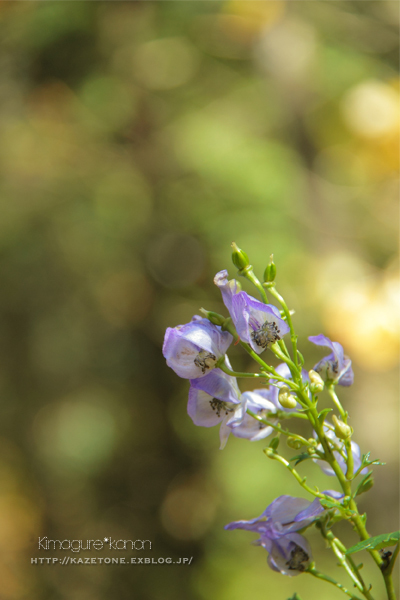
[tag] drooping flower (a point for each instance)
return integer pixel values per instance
(258, 401)
(215, 399)
(355, 449)
(228, 287)
(193, 349)
(289, 552)
(257, 323)
(335, 367)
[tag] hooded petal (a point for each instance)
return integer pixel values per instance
(218, 385)
(193, 349)
(281, 514)
(228, 288)
(336, 366)
(257, 323)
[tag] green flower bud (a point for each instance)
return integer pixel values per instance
(317, 384)
(239, 258)
(285, 399)
(270, 271)
(213, 316)
(292, 442)
(342, 431)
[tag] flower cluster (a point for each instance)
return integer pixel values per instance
(197, 351)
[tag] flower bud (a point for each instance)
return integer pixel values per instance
(317, 384)
(285, 399)
(292, 442)
(214, 317)
(270, 271)
(342, 431)
(239, 258)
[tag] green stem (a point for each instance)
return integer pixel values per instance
(228, 371)
(276, 427)
(345, 484)
(332, 393)
(301, 480)
(282, 356)
(387, 574)
(248, 273)
(349, 460)
(273, 291)
(267, 368)
(347, 562)
(324, 577)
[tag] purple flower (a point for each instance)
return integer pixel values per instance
(215, 399)
(257, 324)
(290, 555)
(228, 288)
(258, 401)
(193, 349)
(336, 366)
(288, 551)
(355, 449)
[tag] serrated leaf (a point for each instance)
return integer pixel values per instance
(376, 543)
(365, 485)
(300, 457)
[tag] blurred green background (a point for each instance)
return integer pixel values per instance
(138, 140)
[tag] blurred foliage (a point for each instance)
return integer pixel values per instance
(138, 140)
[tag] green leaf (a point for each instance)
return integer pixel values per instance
(328, 503)
(376, 543)
(295, 597)
(365, 485)
(300, 457)
(323, 413)
(367, 462)
(301, 357)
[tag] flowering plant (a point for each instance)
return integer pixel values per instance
(197, 351)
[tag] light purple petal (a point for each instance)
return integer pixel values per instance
(282, 512)
(315, 509)
(228, 288)
(193, 349)
(180, 354)
(290, 554)
(249, 316)
(336, 366)
(249, 427)
(219, 385)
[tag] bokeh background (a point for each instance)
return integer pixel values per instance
(138, 140)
